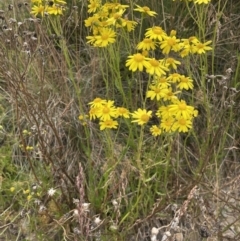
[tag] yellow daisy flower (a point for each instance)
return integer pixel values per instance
(108, 124)
(155, 130)
(54, 9)
(145, 10)
(141, 116)
(97, 102)
(93, 6)
(170, 43)
(38, 9)
(181, 109)
(107, 111)
(156, 67)
(167, 124)
(156, 33)
(201, 48)
(106, 37)
(185, 83)
(172, 63)
(137, 62)
(130, 25)
(202, 1)
(147, 44)
(156, 91)
(121, 111)
(182, 125)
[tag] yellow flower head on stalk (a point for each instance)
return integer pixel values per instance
(38, 9)
(106, 36)
(36, 1)
(145, 10)
(167, 124)
(174, 78)
(108, 124)
(201, 48)
(116, 17)
(156, 33)
(93, 6)
(55, 9)
(93, 112)
(107, 111)
(156, 92)
(170, 43)
(59, 2)
(163, 112)
(202, 1)
(130, 25)
(185, 83)
(156, 67)
(170, 95)
(161, 81)
(147, 44)
(92, 21)
(141, 116)
(137, 62)
(121, 111)
(182, 125)
(97, 102)
(172, 63)
(155, 130)
(181, 109)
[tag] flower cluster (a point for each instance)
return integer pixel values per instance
(42, 7)
(107, 113)
(166, 83)
(105, 21)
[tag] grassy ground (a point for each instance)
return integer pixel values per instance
(64, 175)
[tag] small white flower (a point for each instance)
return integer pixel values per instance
(97, 220)
(154, 231)
(51, 192)
(85, 207)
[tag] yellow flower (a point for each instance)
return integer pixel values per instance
(141, 116)
(156, 33)
(170, 43)
(202, 1)
(26, 191)
(93, 112)
(167, 124)
(121, 111)
(163, 112)
(170, 95)
(156, 91)
(38, 9)
(106, 37)
(181, 109)
(201, 48)
(54, 9)
(137, 62)
(185, 83)
(145, 10)
(130, 25)
(155, 130)
(172, 63)
(12, 189)
(108, 124)
(182, 125)
(97, 102)
(147, 44)
(93, 6)
(156, 67)
(29, 197)
(92, 21)
(161, 81)
(175, 77)
(107, 111)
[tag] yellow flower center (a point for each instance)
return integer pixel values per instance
(154, 62)
(182, 106)
(157, 90)
(157, 30)
(146, 9)
(147, 40)
(108, 122)
(117, 16)
(104, 36)
(145, 118)
(185, 80)
(138, 57)
(97, 100)
(200, 46)
(105, 110)
(171, 42)
(170, 60)
(182, 122)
